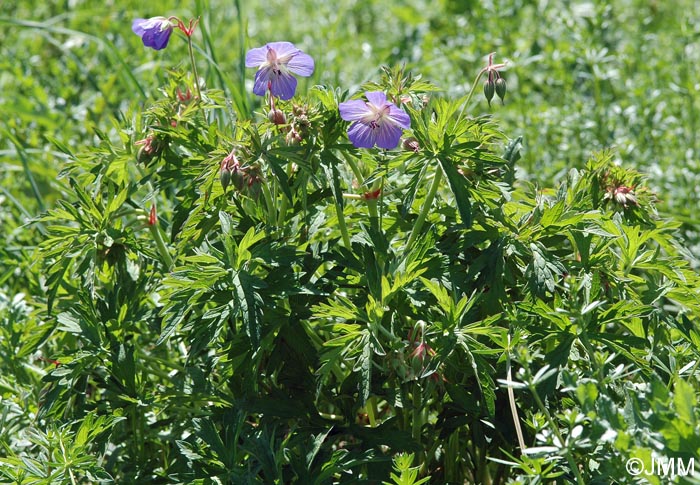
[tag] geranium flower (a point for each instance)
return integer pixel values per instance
(376, 122)
(154, 32)
(276, 62)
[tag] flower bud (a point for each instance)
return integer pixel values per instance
(225, 177)
(253, 186)
(277, 117)
(229, 171)
(625, 196)
(410, 144)
(152, 216)
(501, 88)
(237, 177)
(489, 89)
(150, 147)
(293, 137)
(143, 155)
(185, 97)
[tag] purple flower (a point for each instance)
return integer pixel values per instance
(376, 122)
(276, 62)
(154, 32)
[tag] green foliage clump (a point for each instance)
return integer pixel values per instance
(331, 308)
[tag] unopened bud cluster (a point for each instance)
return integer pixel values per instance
(625, 196)
(495, 84)
(243, 178)
(498, 87)
(622, 195)
(298, 126)
(620, 192)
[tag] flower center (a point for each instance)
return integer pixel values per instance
(377, 116)
(278, 65)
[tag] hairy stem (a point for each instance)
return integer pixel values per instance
(194, 68)
(160, 243)
(468, 99)
(427, 204)
(560, 438)
(511, 399)
(342, 226)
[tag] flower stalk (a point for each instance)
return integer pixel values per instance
(492, 69)
(194, 68)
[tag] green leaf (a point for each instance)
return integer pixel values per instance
(364, 366)
(248, 302)
(552, 215)
(276, 164)
(685, 401)
(458, 185)
(251, 238)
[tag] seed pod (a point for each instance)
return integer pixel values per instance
(489, 89)
(501, 88)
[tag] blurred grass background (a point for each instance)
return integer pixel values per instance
(581, 76)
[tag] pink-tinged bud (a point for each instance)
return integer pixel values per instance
(146, 144)
(411, 145)
(230, 171)
(293, 137)
(277, 117)
(422, 351)
(150, 147)
(625, 196)
(152, 216)
(253, 186)
(185, 97)
(418, 359)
